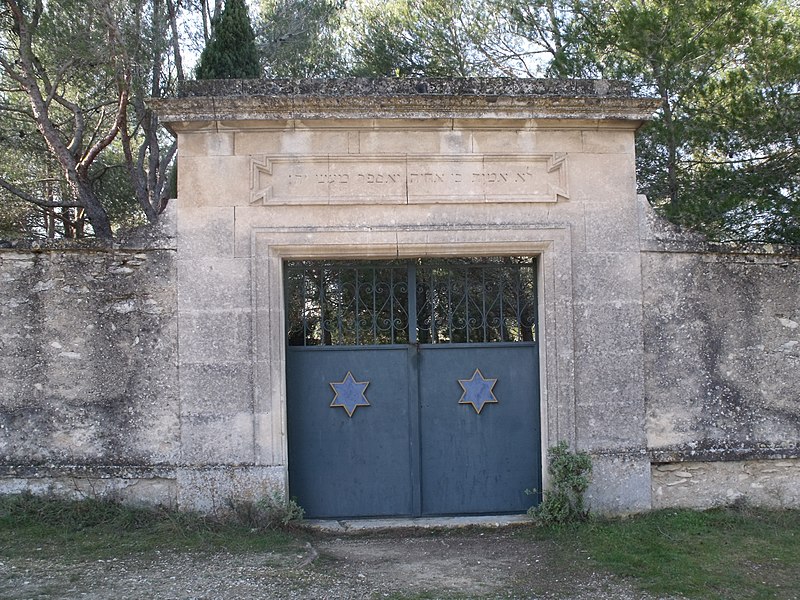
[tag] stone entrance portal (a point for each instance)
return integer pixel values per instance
(271, 173)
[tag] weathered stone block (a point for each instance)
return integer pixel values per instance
(216, 389)
(526, 138)
(145, 491)
(208, 284)
(607, 180)
(92, 357)
(433, 143)
(225, 439)
(212, 489)
(610, 229)
(292, 142)
(206, 143)
(230, 185)
(607, 142)
(702, 485)
(205, 232)
(608, 277)
(215, 337)
(620, 484)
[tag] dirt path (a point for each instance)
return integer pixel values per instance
(492, 564)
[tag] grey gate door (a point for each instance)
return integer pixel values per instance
(412, 387)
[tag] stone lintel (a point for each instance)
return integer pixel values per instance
(421, 98)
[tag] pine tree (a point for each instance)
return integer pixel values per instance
(231, 53)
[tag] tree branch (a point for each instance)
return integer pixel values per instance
(176, 48)
(102, 143)
(23, 195)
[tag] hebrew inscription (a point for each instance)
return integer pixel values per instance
(409, 179)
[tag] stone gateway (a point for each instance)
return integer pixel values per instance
(390, 297)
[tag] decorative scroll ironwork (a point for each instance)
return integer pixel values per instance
(465, 300)
(345, 304)
(476, 301)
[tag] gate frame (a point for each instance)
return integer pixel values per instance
(271, 246)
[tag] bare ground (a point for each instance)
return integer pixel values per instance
(472, 564)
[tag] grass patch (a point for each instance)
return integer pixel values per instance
(43, 527)
(435, 595)
(730, 553)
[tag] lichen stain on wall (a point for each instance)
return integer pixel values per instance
(89, 348)
(722, 356)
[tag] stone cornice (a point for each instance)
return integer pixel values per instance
(359, 98)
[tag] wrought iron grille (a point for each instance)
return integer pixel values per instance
(465, 300)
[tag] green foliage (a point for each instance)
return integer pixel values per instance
(273, 511)
(172, 181)
(86, 59)
(15, 216)
(112, 183)
(231, 53)
(734, 553)
(301, 38)
(722, 153)
(77, 529)
(434, 38)
(570, 474)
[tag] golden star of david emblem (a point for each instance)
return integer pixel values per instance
(349, 393)
(477, 391)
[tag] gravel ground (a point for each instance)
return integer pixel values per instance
(493, 564)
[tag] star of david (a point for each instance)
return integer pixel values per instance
(477, 391)
(349, 393)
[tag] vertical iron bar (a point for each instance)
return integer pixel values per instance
(520, 307)
(322, 305)
(535, 300)
(450, 305)
(339, 317)
(466, 302)
(483, 305)
(374, 306)
(433, 284)
(304, 306)
(501, 292)
(356, 297)
(391, 305)
(412, 304)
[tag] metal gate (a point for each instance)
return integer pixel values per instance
(412, 386)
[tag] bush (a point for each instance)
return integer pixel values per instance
(570, 473)
(274, 511)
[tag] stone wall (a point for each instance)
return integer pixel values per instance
(91, 404)
(703, 484)
(155, 370)
(722, 369)
(88, 388)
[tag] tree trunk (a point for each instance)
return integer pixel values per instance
(95, 212)
(672, 150)
(24, 71)
(176, 47)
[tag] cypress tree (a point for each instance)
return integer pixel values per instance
(231, 52)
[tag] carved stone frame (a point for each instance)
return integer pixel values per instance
(272, 246)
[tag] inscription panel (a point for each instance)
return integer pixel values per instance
(409, 179)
